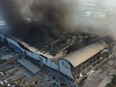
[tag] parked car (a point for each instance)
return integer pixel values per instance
(1, 83)
(2, 74)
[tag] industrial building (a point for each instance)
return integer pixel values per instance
(74, 64)
(57, 36)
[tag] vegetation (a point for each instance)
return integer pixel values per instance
(2, 60)
(113, 82)
(3, 85)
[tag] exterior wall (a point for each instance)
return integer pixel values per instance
(43, 60)
(65, 68)
(37, 57)
(52, 64)
(12, 43)
(2, 37)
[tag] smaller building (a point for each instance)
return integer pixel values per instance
(80, 63)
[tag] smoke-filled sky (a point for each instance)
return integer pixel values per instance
(93, 16)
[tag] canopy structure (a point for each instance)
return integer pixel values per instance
(30, 66)
(80, 56)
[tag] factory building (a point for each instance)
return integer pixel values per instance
(74, 65)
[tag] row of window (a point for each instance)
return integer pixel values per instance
(86, 66)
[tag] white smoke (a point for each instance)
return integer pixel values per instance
(93, 16)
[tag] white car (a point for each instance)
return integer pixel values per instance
(14, 86)
(1, 73)
(1, 83)
(8, 85)
(5, 81)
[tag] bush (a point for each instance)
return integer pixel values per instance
(2, 61)
(113, 82)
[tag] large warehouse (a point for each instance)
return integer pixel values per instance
(74, 64)
(72, 38)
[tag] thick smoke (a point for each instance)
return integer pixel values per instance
(11, 14)
(58, 16)
(91, 16)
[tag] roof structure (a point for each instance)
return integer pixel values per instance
(80, 56)
(45, 49)
(30, 66)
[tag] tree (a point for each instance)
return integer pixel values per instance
(113, 82)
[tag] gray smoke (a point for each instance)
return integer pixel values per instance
(91, 16)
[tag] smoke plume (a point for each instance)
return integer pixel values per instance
(59, 16)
